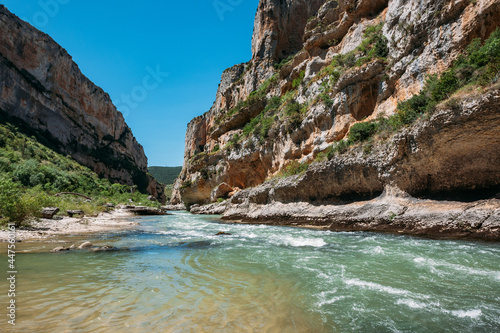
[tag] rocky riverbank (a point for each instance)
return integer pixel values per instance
(44, 229)
(394, 211)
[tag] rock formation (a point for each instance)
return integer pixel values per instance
(44, 90)
(319, 68)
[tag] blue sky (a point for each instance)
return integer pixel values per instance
(117, 44)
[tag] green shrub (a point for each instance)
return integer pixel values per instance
(32, 173)
(234, 141)
(326, 99)
(273, 103)
(479, 65)
(254, 97)
(342, 146)
(292, 108)
(294, 113)
(298, 81)
(23, 171)
(367, 149)
(294, 168)
(261, 124)
(267, 123)
(339, 147)
(5, 165)
(380, 49)
(280, 65)
(293, 122)
(16, 206)
(11, 209)
(362, 131)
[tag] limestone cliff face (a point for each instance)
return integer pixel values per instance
(269, 113)
(41, 86)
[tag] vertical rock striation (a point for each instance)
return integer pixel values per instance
(43, 89)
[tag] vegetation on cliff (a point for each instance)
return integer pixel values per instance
(365, 73)
(31, 174)
(477, 68)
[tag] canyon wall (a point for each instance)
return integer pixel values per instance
(318, 68)
(43, 90)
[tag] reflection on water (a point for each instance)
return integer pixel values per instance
(175, 275)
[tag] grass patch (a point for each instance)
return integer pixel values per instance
(294, 168)
(254, 97)
(294, 113)
(479, 65)
(279, 65)
(298, 81)
(374, 45)
(362, 131)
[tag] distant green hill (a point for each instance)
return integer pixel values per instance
(165, 175)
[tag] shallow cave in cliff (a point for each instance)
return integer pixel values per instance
(344, 199)
(460, 194)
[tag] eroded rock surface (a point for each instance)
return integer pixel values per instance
(421, 38)
(355, 62)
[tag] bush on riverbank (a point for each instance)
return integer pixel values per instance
(31, 174)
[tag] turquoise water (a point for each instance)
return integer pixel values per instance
(174, 275)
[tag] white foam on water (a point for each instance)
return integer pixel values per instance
(375, 286)
(300, 241)
(307, 259)
(296, 241)
(411, 303)
(250, 235)
(308, 269)
(474, 271)
(434, 266)
(329, 301)
(474, 313)
(374, 250)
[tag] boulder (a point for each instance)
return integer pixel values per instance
(211, 209)
(222, 233)
(174, 207)
(71, 213)
(85, 245)
(143, 210)
(60, 249)
(104, 248)
(235, 190)
(221, 191)
(49, 212)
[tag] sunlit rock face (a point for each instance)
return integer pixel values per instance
(419, 38)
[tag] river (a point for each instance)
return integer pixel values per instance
(173, 274)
